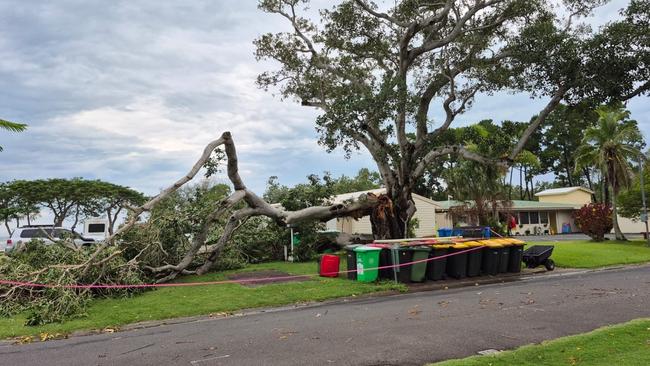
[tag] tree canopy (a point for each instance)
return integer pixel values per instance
(376, 73)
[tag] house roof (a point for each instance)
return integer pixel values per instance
(354, 195)
(516, 205)
(560, 191)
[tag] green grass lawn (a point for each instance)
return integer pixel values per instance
(174, 302)
(587, 254)
(171, 302)
(621, 345)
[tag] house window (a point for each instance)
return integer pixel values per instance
(543, 217)
(524, 218)
(534, 217)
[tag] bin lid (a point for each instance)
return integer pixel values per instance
(352, 246)
(442, 246)
(422, 249)
(382, 246)
(460, 246)
(365, 248)
(515, 241)
(473, 244)
(495, 245)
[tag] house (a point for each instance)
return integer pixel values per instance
(533, 217)
(580, 196)
(425, 215)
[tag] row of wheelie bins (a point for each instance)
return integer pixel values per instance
(367, 263)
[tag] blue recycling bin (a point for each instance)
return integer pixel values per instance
(457, 232)
(487, 232)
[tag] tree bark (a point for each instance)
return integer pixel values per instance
(617, 230)
(590, 184)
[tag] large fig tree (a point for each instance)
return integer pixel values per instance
(380, 72)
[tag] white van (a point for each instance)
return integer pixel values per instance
(96, 228)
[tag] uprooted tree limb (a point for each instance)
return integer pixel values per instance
(254, 206)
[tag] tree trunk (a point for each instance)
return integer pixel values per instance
(591, 185)
(567, 167)
(76, 219)
(389, 220)
(58, 220)
(512, 168)
(29, 221)
(7, 226)
(521, 184)
(617, 230)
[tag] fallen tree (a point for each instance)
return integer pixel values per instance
(105, 264)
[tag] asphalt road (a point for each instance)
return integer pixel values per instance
(409, 329)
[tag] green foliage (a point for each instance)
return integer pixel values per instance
(72, 197)
(12, 127)
(595, 220)
(58, 264)
(165, 237)
(611, 146)
(630, 200)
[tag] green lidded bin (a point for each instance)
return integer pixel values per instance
(367, 257)
(419, 270)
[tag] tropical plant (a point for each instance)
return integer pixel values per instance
(11, 126)
(595, 220)
(610, 147)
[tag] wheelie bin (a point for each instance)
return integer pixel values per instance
(474, 259)
(367, 263)
(419, 270)
(457, 263)
(490, 260)
(403, 255)
(504, 255)
(385, 259)
(351, 258)
(436, 267)
(516, 252)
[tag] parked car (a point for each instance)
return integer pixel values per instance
(25, 234)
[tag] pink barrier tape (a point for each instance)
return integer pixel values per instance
(223, 282)
(495, 233)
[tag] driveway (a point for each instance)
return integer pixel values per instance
(408, 329)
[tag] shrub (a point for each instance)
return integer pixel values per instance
(595, 220)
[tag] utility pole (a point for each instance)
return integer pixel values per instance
(644, 213)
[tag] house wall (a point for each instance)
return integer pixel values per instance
(629, 226)
(560, 216)
(566, 217)
(426, 215)
(443, 219)
(578, 198)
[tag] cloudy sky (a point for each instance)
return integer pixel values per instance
(131, 91)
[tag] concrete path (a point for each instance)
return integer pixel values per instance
(409, 329)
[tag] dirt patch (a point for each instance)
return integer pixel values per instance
(258, 278)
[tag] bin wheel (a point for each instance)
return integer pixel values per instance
(549, 264)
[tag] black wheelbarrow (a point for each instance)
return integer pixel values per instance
(539, 255)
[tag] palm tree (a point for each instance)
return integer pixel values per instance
(610, 146)
(11, 126)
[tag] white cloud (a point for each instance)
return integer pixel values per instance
(130, 92)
